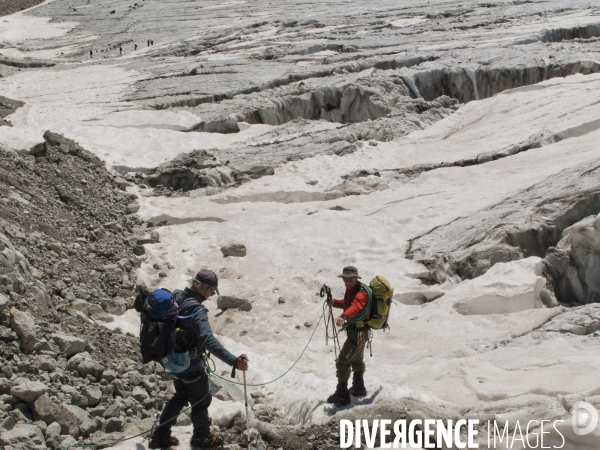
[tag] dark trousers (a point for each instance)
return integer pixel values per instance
(189, 388)
(352, 356)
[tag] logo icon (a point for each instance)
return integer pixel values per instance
(584, 418)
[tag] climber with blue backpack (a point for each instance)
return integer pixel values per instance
(175, 332)
(365, 307)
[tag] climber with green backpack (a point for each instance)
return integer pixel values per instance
(364, 308)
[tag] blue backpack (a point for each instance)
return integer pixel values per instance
(158, 313)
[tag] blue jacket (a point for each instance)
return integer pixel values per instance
(200, 328)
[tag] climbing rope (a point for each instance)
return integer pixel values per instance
(211, 372)
(284, 373)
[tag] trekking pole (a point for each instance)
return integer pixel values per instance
(326, 290)
(246, 405)
(334, 330)
(156, 394)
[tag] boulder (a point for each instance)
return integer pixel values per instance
(102, 317)
(118, 389)
(112, 411)
(234, 249)
(86, 307)
(5, 386)
(69, 345)
(55, 247)
(227, 302)
(79, 400)
(139, 393)
(23, 324)
(116, 306)
(85, 423)
(113, 424)
(49, 410)
(23, 437)
(29, 391)
(85, 365)
(93, 394)
(67, 442)
(46, 363)
(109, 375)
(52, 435)
(132, 208)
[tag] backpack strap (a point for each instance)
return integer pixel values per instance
(194, 314)
(361, 317)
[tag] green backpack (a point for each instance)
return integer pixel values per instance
(381, 293)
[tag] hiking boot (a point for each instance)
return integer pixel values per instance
(212, 441)
(163, 440)
(341, 396)
(358, 388)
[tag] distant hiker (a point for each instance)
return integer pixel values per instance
(91, 53)
(148, 42)
(351, 357)
(191, 384)
(120, 50)
(134, 47)
(151, 42)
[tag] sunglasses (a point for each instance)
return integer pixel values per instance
(348, 280)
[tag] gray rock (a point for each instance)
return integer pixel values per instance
(29, 391)
(67, 441)
(85, 365)
(118, 388)
(112, 411)
(23, 324)
(98, 411)
(8, 423)
(49, 410)
(102, 317)
(113, 424)
(79, 400)
(46, 363)
(3, 303)
(5, 385)
(109, 375)
(93, 394)
(52, 430)
(139, 393)
(41, 425)
(69, 345)
(227, 302)
(132, 208)
(86, 307)
(234, 249)
(23, 437)
(85, 423)
(52, 435)
(116, 306)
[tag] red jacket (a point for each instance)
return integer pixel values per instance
(353, 303)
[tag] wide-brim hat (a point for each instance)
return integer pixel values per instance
(349, 272)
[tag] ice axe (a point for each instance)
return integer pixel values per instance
(245, 401)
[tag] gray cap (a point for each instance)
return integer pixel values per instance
(349, 272)
(209, 278)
